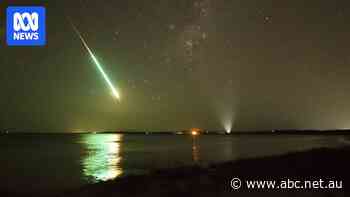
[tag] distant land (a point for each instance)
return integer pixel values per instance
(188, 132)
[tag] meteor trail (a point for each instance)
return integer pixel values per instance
(97, 63)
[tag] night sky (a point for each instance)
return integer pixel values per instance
(264, 64)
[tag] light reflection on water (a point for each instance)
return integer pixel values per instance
(195, 150)
(62, 162)
(107, 156)
(102, 159)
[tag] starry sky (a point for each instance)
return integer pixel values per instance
(260, 64)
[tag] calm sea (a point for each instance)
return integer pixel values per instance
(50, 163)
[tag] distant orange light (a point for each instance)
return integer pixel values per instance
(195, 131)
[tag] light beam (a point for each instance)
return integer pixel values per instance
(98, 65)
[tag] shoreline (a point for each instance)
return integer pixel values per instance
(344, 132)
(214, 180)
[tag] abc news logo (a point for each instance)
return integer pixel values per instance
(32, 25)
(26, 26)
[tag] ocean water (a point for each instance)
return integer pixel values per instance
(52, 163)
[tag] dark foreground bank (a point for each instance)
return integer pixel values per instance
(326, 164)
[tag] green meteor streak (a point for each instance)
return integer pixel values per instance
(114, 91)
(98, 65)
